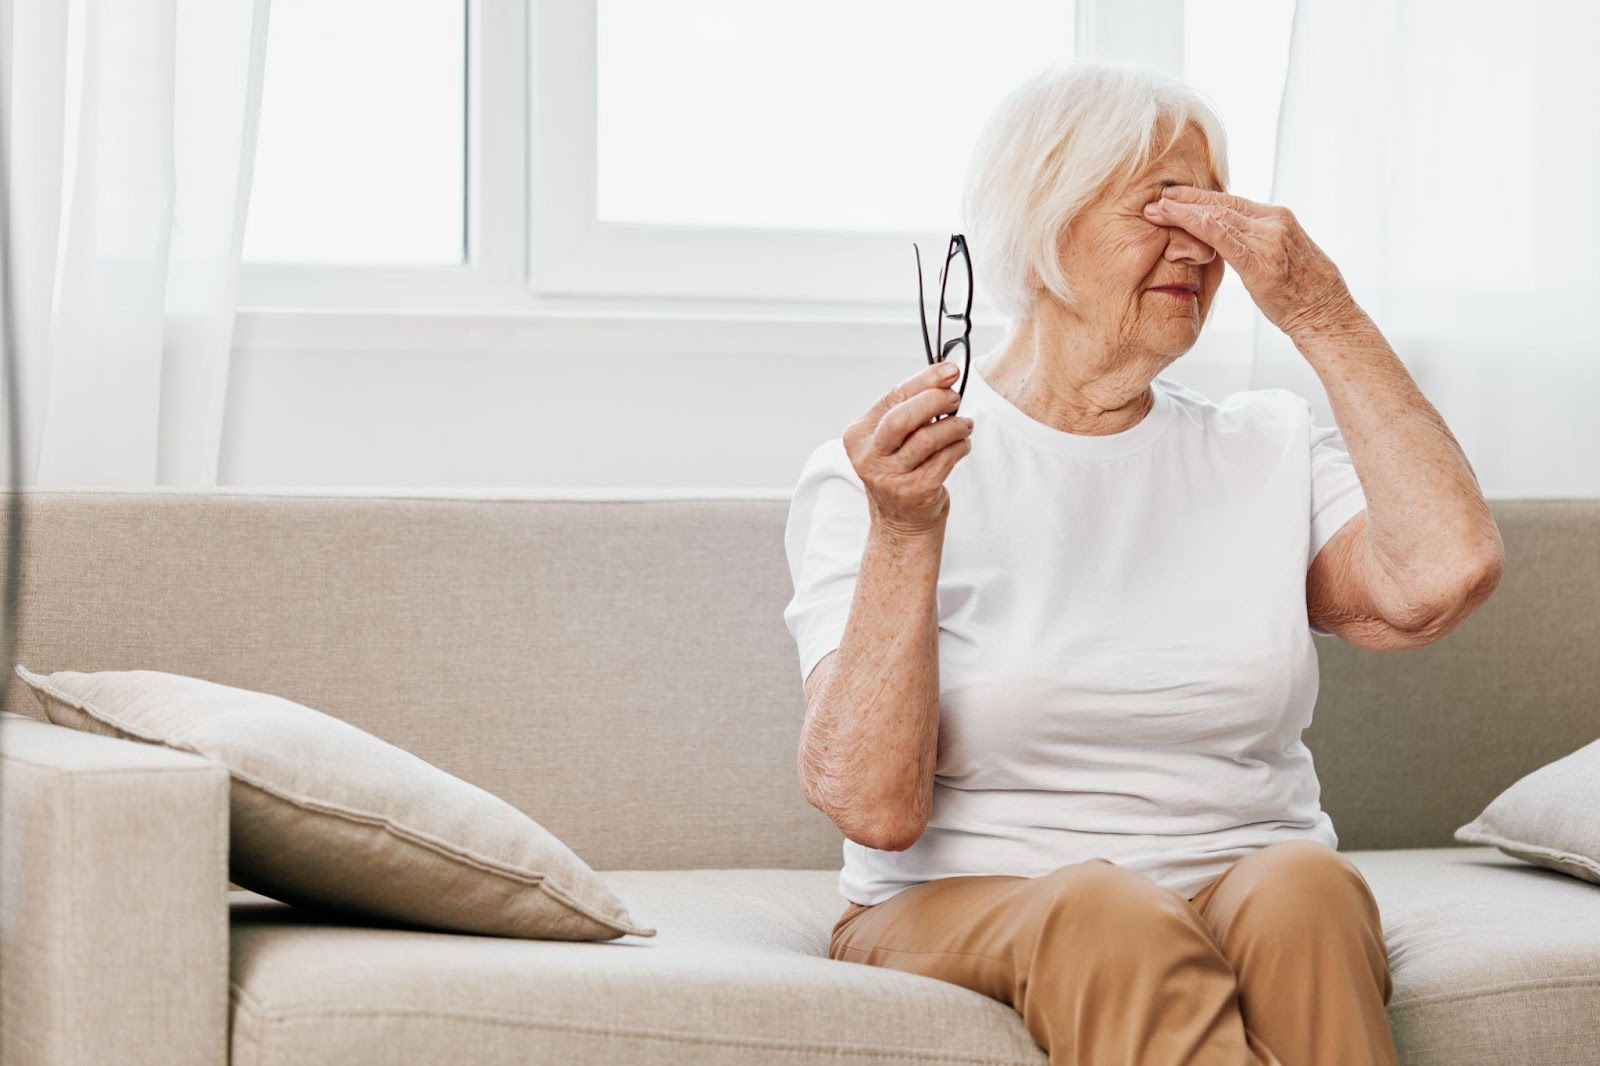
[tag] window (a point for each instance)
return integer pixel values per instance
(705, 156)
(832, 115)
(1236, 52)
(360, 154)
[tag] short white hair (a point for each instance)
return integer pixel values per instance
(1050, 147)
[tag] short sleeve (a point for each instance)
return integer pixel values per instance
(824, 537)
(1336, 493)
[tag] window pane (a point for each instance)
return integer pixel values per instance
(361, 155)
(1236, 52)
(834, 114)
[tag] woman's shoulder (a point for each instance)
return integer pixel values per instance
(1273, 409)
(828, 480)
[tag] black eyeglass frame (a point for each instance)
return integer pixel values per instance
(958, 246)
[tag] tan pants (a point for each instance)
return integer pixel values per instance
(1279, 961)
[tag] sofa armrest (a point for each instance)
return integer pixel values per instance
(113, 901)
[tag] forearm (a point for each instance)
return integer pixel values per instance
(871, 738)
(1431, 538)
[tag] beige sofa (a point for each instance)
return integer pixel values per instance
(619, 669)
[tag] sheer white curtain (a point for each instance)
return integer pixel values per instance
(132, 130)
(1444, 153)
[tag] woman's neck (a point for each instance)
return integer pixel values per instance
(1074, 383)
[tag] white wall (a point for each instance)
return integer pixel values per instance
(477, 400)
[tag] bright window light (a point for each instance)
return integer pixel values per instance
(360, 158)
(1236, 52)
(829, 115)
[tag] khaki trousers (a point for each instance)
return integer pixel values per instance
(1279, 961)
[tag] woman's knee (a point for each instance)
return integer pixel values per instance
(1317, 870)
(1099, 899)
(1304, 884)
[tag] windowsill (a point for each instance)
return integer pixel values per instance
(581, 328)
(596, 327)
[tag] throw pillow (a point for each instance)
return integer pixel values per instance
(325, 815)
(1551, 817)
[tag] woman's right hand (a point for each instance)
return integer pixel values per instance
(903, 457)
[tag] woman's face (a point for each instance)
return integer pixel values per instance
(1117, 259)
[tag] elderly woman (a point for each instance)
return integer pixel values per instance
(1056, 706)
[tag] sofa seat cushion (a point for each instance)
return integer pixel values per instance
(1495, 962)
(737, 974)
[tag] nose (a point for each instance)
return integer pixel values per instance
(1185, 247)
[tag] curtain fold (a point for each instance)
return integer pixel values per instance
(1443, 153)
(133, 127)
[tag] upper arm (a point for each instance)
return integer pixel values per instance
(824, 537)
(1341, 596)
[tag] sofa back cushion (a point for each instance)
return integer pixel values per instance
(619, 670)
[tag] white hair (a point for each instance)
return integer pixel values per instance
(1050, 147)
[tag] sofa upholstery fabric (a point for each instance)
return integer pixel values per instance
(326, 815)
(1479, 943)
(1550, 817)
(114, 883)
(619, 669)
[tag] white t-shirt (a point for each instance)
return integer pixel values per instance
(1125, 658)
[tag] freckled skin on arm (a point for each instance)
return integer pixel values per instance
(1426, 553)
(1338, 600)
(869, 743)
(870, 739)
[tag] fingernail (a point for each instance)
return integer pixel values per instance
(949, 370)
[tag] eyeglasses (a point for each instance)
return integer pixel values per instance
(955, 303)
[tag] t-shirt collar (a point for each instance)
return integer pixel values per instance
(985, 402)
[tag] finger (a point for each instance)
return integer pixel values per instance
(1223, 228)
(929, 439)
(937, 467)
(1193, 194)
(905, 417)
(933, 375)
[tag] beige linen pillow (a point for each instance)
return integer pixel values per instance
(1551, 817)
(326, 815)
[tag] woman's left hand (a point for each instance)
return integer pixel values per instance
(1292, 280)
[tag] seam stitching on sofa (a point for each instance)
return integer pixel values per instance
(257, 1030)
(538, 881)
(254, 493)
(471, 858)
(78, 771)
(405, 833)
(1480, 836)
(278, 1018)
(1532, 985)
(57, 1023)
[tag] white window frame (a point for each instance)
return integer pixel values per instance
(535, 245)
(492, 275)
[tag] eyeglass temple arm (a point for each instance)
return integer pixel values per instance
(922, 308)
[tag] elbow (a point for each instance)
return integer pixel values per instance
(872, 829)
(1476, 584)
(1485, 579)
(1438, 615)
(891, 835)
(864, 824)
